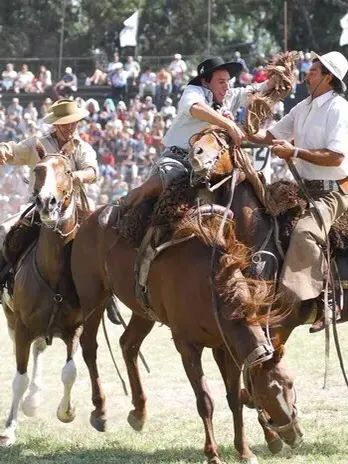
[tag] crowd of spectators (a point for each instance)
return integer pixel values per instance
(126, 134)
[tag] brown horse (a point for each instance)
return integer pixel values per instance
(180, 287)
(43, 303)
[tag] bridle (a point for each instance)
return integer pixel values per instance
(263, 417)
(66, 197)
(224, 147)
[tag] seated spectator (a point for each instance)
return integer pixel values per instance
(133, 69)
(24, 81)
(44, 79)
(118, 80)
(113, 64)
(46, 107)
(8, 77)
(15, 109)
(32, 111)
(177, 69)
(164, 86)
(147, 83)
(99, 77)
(67, 86)
(168, 112)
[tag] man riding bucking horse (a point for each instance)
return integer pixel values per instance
(315, 136)
(201, 104)
(64, 139)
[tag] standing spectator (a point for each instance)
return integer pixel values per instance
(15, 109)
(118, 79)
(304, 65)
(24, 81)
(67, 86)
(177, 69)
(164, 86)
(8, 77)
(147, 83)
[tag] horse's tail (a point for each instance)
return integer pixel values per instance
(243, 298)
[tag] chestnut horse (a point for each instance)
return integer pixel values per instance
(180, 288)
(43, 303)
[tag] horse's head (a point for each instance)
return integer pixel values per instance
(53, 187)
(210, 153)
(269, 388)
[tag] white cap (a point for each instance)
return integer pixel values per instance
(177, 56)
(68, 70)
(336, 63)
(118, 65)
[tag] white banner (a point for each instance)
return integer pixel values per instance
(128, 35)
(344, 35)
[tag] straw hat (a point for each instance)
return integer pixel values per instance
(65, 111)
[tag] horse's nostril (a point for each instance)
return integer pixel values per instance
(53, 201)
(198, 151)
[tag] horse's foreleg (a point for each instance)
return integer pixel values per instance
(130, 341)
(191, 359)
(20, 382)
(66, 410)
(231, 376)
(89, 351)
(33, 399)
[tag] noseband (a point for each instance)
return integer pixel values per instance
(67, 195)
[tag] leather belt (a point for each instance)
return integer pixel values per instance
(319, 187)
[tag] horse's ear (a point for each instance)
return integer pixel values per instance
(40, 149)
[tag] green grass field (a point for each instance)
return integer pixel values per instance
(174, 432)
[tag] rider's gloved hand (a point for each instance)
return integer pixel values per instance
(5, 154)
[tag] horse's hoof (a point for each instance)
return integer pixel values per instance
(252, 460)
(135, 422)
(66, 416)
(6, 440)
(275, 446)
(98, 422)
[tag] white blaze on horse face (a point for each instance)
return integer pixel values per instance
(49, 188)
(280, 397)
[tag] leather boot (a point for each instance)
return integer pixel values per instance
(151, 188)
(319, 323)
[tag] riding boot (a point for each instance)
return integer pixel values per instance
(112, 310)
(151, 188)
(319, 323)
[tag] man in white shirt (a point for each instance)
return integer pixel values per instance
(196, 109)
(315, 135)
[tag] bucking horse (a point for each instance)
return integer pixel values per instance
(181, 265)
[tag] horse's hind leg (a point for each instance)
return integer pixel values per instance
(32, 400)
(89, 351)
(66, 410)
(231, 376)
(20, 382)
(130, 341)
(191, 358)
